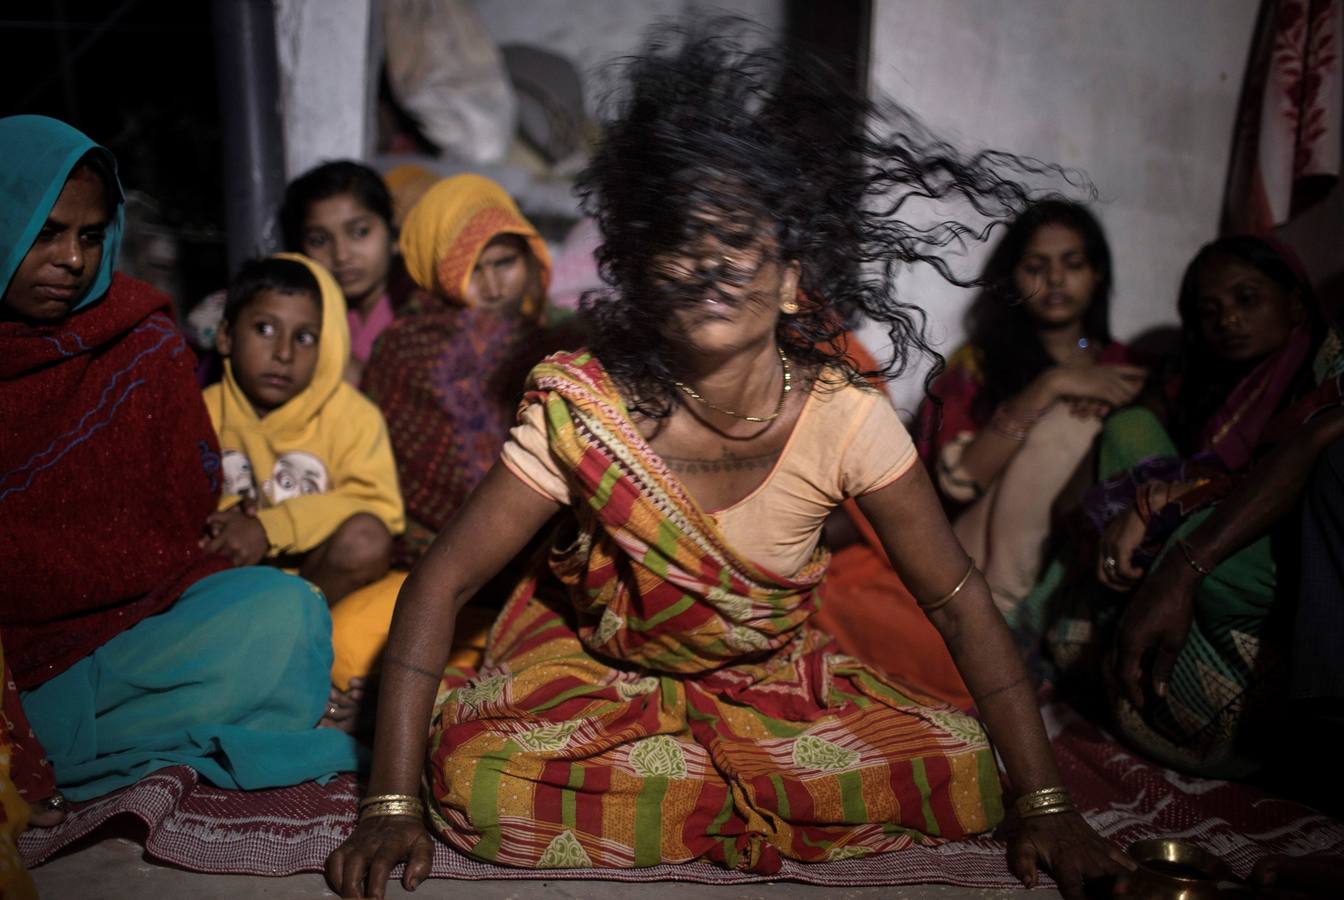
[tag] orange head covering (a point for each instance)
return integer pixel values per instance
(407, 184)
(445, 232)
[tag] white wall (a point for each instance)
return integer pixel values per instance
(1141, 94)
(323, 51)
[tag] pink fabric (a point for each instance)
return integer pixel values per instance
(364, 330)
(574, 265)
(1288, 139)
(291, 830)
(1237, 428)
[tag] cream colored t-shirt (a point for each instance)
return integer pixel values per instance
(847, 442)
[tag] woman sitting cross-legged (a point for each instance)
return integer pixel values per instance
(133, 647)
(655, 691)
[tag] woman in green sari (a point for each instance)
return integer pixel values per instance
(1185, 515)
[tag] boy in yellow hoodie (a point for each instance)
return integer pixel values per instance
(309, 478)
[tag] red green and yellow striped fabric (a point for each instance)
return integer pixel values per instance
(648, 696)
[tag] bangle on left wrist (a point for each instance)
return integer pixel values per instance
(1193, 559)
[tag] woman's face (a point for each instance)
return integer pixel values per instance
(729, 297)
(65, 256)
(353, 242)
(1243, 314)
(506, 273)
(1054, 277)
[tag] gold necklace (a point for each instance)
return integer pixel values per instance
(779, 407)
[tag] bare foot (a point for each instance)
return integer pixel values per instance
(343, 707)
(48, 813)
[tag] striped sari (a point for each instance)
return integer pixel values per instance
(649, 696)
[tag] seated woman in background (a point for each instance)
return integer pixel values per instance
(1022, 401)
(1257, 369)
(134, 648)
(340, 214)
(448, 379)
(655, 691)
(448, 382)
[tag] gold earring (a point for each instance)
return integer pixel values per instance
(789, 307)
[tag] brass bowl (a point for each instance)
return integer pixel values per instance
(1175, 870)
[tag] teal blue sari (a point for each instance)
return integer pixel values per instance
(229, 680)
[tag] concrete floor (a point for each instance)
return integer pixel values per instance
(115, 869)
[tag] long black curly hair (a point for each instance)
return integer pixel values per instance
(703, 136)
(998, 324)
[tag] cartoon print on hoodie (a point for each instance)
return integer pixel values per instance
(326, 449)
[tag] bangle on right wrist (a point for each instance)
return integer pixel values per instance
(391, 805)
(1045, 802)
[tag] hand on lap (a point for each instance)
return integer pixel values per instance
(236, 534)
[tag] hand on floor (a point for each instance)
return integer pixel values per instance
(361, 866)
(1067, 847)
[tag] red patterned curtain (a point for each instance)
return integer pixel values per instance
(1287, 144)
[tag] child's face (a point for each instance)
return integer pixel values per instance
(353, 242)
(65, 255)
(273, 346)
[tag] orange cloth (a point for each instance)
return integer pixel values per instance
(407, 184)
(873, 615)
(875, 618)
(445, 232)
(360, 622)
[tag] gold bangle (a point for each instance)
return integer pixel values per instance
(1042, 802)
(1055, 810)
(412, 808)
(381, 798)
(950, 595)
(1045, 797)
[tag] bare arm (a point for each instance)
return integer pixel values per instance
(931, 561)
(923, 549)
(1268, 494)
(495, 523)
(1095, 388)
(989, 451)
(1158, 617)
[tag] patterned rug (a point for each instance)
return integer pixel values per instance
(291, 830)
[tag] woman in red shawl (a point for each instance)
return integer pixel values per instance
(133, 648)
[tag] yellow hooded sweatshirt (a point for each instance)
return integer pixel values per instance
(319, 459)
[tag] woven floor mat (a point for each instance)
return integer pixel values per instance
(290, 830)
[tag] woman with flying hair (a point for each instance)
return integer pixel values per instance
(655, 691)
